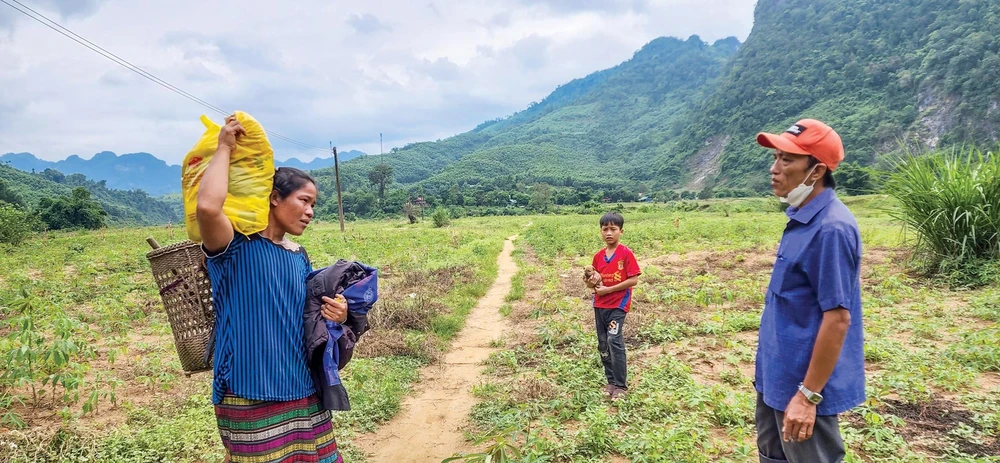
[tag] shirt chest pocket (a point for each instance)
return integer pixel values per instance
(790, 283)
(778, 274)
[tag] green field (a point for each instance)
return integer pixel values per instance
(121, 394)
(90, 321)
(932, 353)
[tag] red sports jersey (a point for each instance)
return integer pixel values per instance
(620, 267)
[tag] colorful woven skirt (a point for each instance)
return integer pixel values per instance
(257, 431)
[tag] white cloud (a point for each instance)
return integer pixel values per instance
(67, 8)
(367, 23)
(59, 9)
(312, 70)
(611, 6)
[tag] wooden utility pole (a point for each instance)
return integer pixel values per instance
(340, 202)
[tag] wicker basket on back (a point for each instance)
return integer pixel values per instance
(179, 271)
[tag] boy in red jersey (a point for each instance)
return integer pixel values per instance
(616, 273)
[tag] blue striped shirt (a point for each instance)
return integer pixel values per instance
(259, 292)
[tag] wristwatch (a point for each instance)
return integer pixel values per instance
(813, 397)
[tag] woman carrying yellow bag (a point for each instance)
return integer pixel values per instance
(265, 399)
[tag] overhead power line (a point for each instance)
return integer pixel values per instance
(45, 21)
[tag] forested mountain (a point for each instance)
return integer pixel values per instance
(601, 136)
(682, 114)
(122, 206)
(920, 72)
(137, 170)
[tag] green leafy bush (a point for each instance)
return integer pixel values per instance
(952, 201)
(441, 217)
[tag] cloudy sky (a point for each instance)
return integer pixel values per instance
(315, 71)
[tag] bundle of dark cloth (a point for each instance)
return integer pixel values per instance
(330, 345)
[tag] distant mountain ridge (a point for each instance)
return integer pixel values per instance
(141, 171)
(123, 207)
(683, 114)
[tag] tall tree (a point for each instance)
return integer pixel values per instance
(77, 210)
(541, 197)
(10, 196)
(380, 176)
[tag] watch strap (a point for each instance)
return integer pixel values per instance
(813, 397)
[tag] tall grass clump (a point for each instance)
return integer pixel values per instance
(441, 217)
(952, 202)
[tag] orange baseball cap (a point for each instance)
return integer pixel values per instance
(807, 137)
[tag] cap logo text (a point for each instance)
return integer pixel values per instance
(796, 129)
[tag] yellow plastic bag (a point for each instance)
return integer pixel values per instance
(251, 177)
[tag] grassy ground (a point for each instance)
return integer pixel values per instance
(93, 323)
(91, 338)
(932, 353)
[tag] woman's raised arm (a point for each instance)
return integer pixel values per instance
(216, 229)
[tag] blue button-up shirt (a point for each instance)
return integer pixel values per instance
(818, 268)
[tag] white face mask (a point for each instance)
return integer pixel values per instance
(800, 193)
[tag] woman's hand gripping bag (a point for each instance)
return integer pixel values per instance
(251, 177)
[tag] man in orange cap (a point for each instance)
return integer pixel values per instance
(810, 354)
